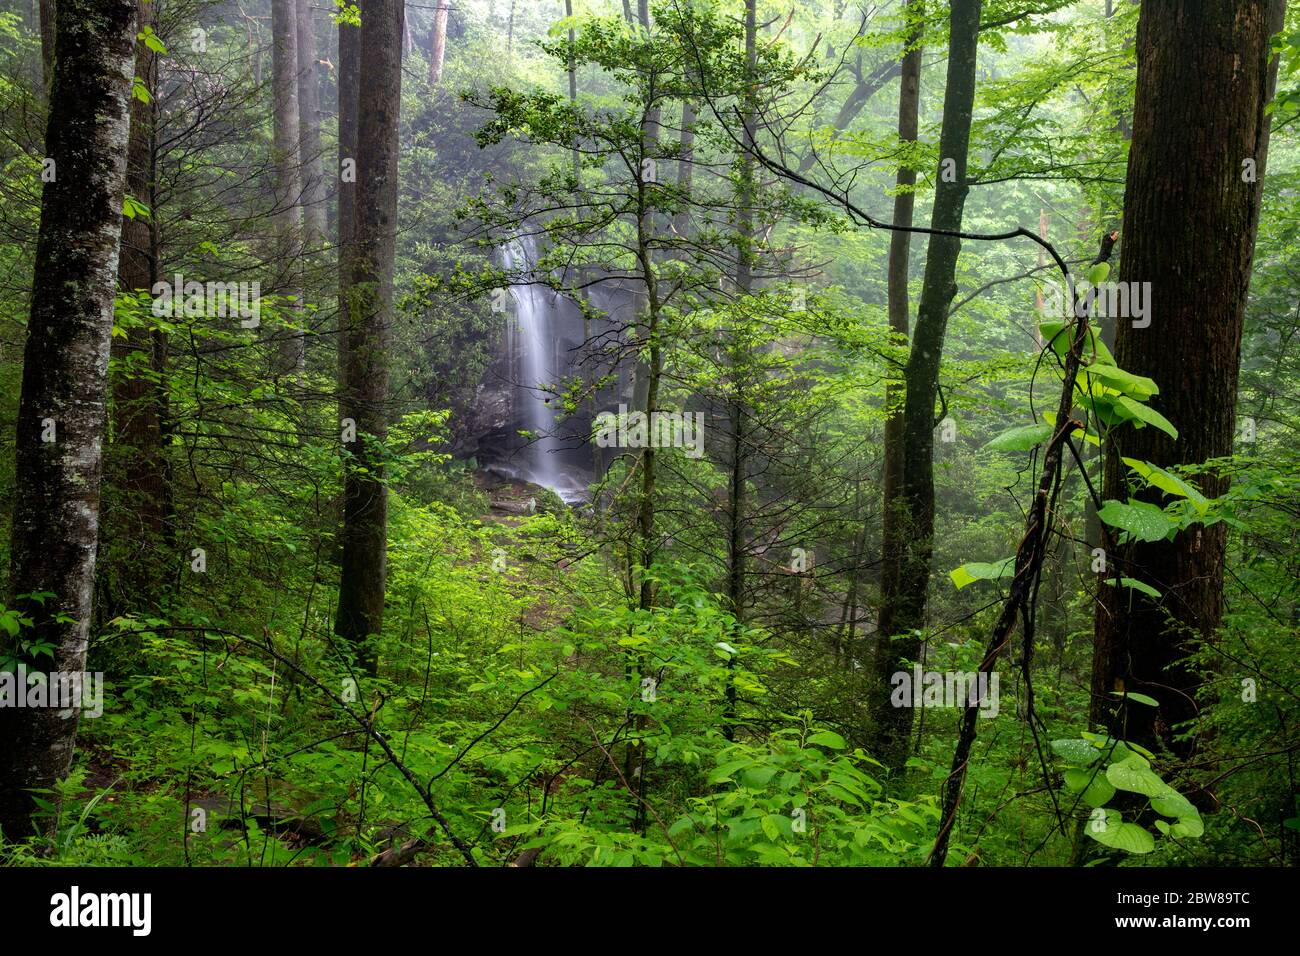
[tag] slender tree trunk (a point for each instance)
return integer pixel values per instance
(65, 364)
(370, 316)
(1204, 79)
(654, 365)
(349, 88)
(288, 185)
(438, 43)
(139, 468)
(901, 644)
(893, 543)
(738, 412)
(573, 90)
(313, 175)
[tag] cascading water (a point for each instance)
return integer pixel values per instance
(534, 335)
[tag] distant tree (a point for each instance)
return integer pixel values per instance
(369, 322)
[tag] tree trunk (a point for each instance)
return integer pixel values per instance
(138, 464)
(901, 644)
(288, 186)
(370, 316)
(1204, 79)
(438, 43)
(349, 87)
(738, 412)
(65, 363)
(313, 175)
(572, 71)
(893, 542)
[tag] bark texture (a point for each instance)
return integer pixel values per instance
(309, 145)
(65, 366)
(1204, 78)
(370, 316)
(901, 644)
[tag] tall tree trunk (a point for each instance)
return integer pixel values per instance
(893, 542)
(654, 365)
(288, 185)
(738, 412)
(139, 467)
(349, 88)
(901, 644)
(1204, 79)
(572, 70)
(438, 43)
(65, 364)
(370, 316)
(309, 145)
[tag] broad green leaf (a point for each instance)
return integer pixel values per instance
(1167, 482)
(1075, 750)
(1139, 698)
(1122, 836)
(828, 738)
(1098, 273)
(982, 571)
(1094, 786)
(1136, 585)
(1145, 414)
(724, 771)
(1135, 777)
(1021, 438)
(1173, 804)
(1143, 521)
(1138, 386)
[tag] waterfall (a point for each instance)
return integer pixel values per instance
(534, 338)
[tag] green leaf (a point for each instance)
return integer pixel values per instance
(1096, 789)
(1138, 386)
(1171, 803)
(1168, 483)
(1021, 438)
(1075, 750)
(1142, 520)
(757, 778)
(1122, 836)
(1133, 776)
(982, 571)
(1146, 414)
(724, 771)
(1136, 585)
(1140, 698)
(828, 738)
(1098, 273)
(151, 40)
